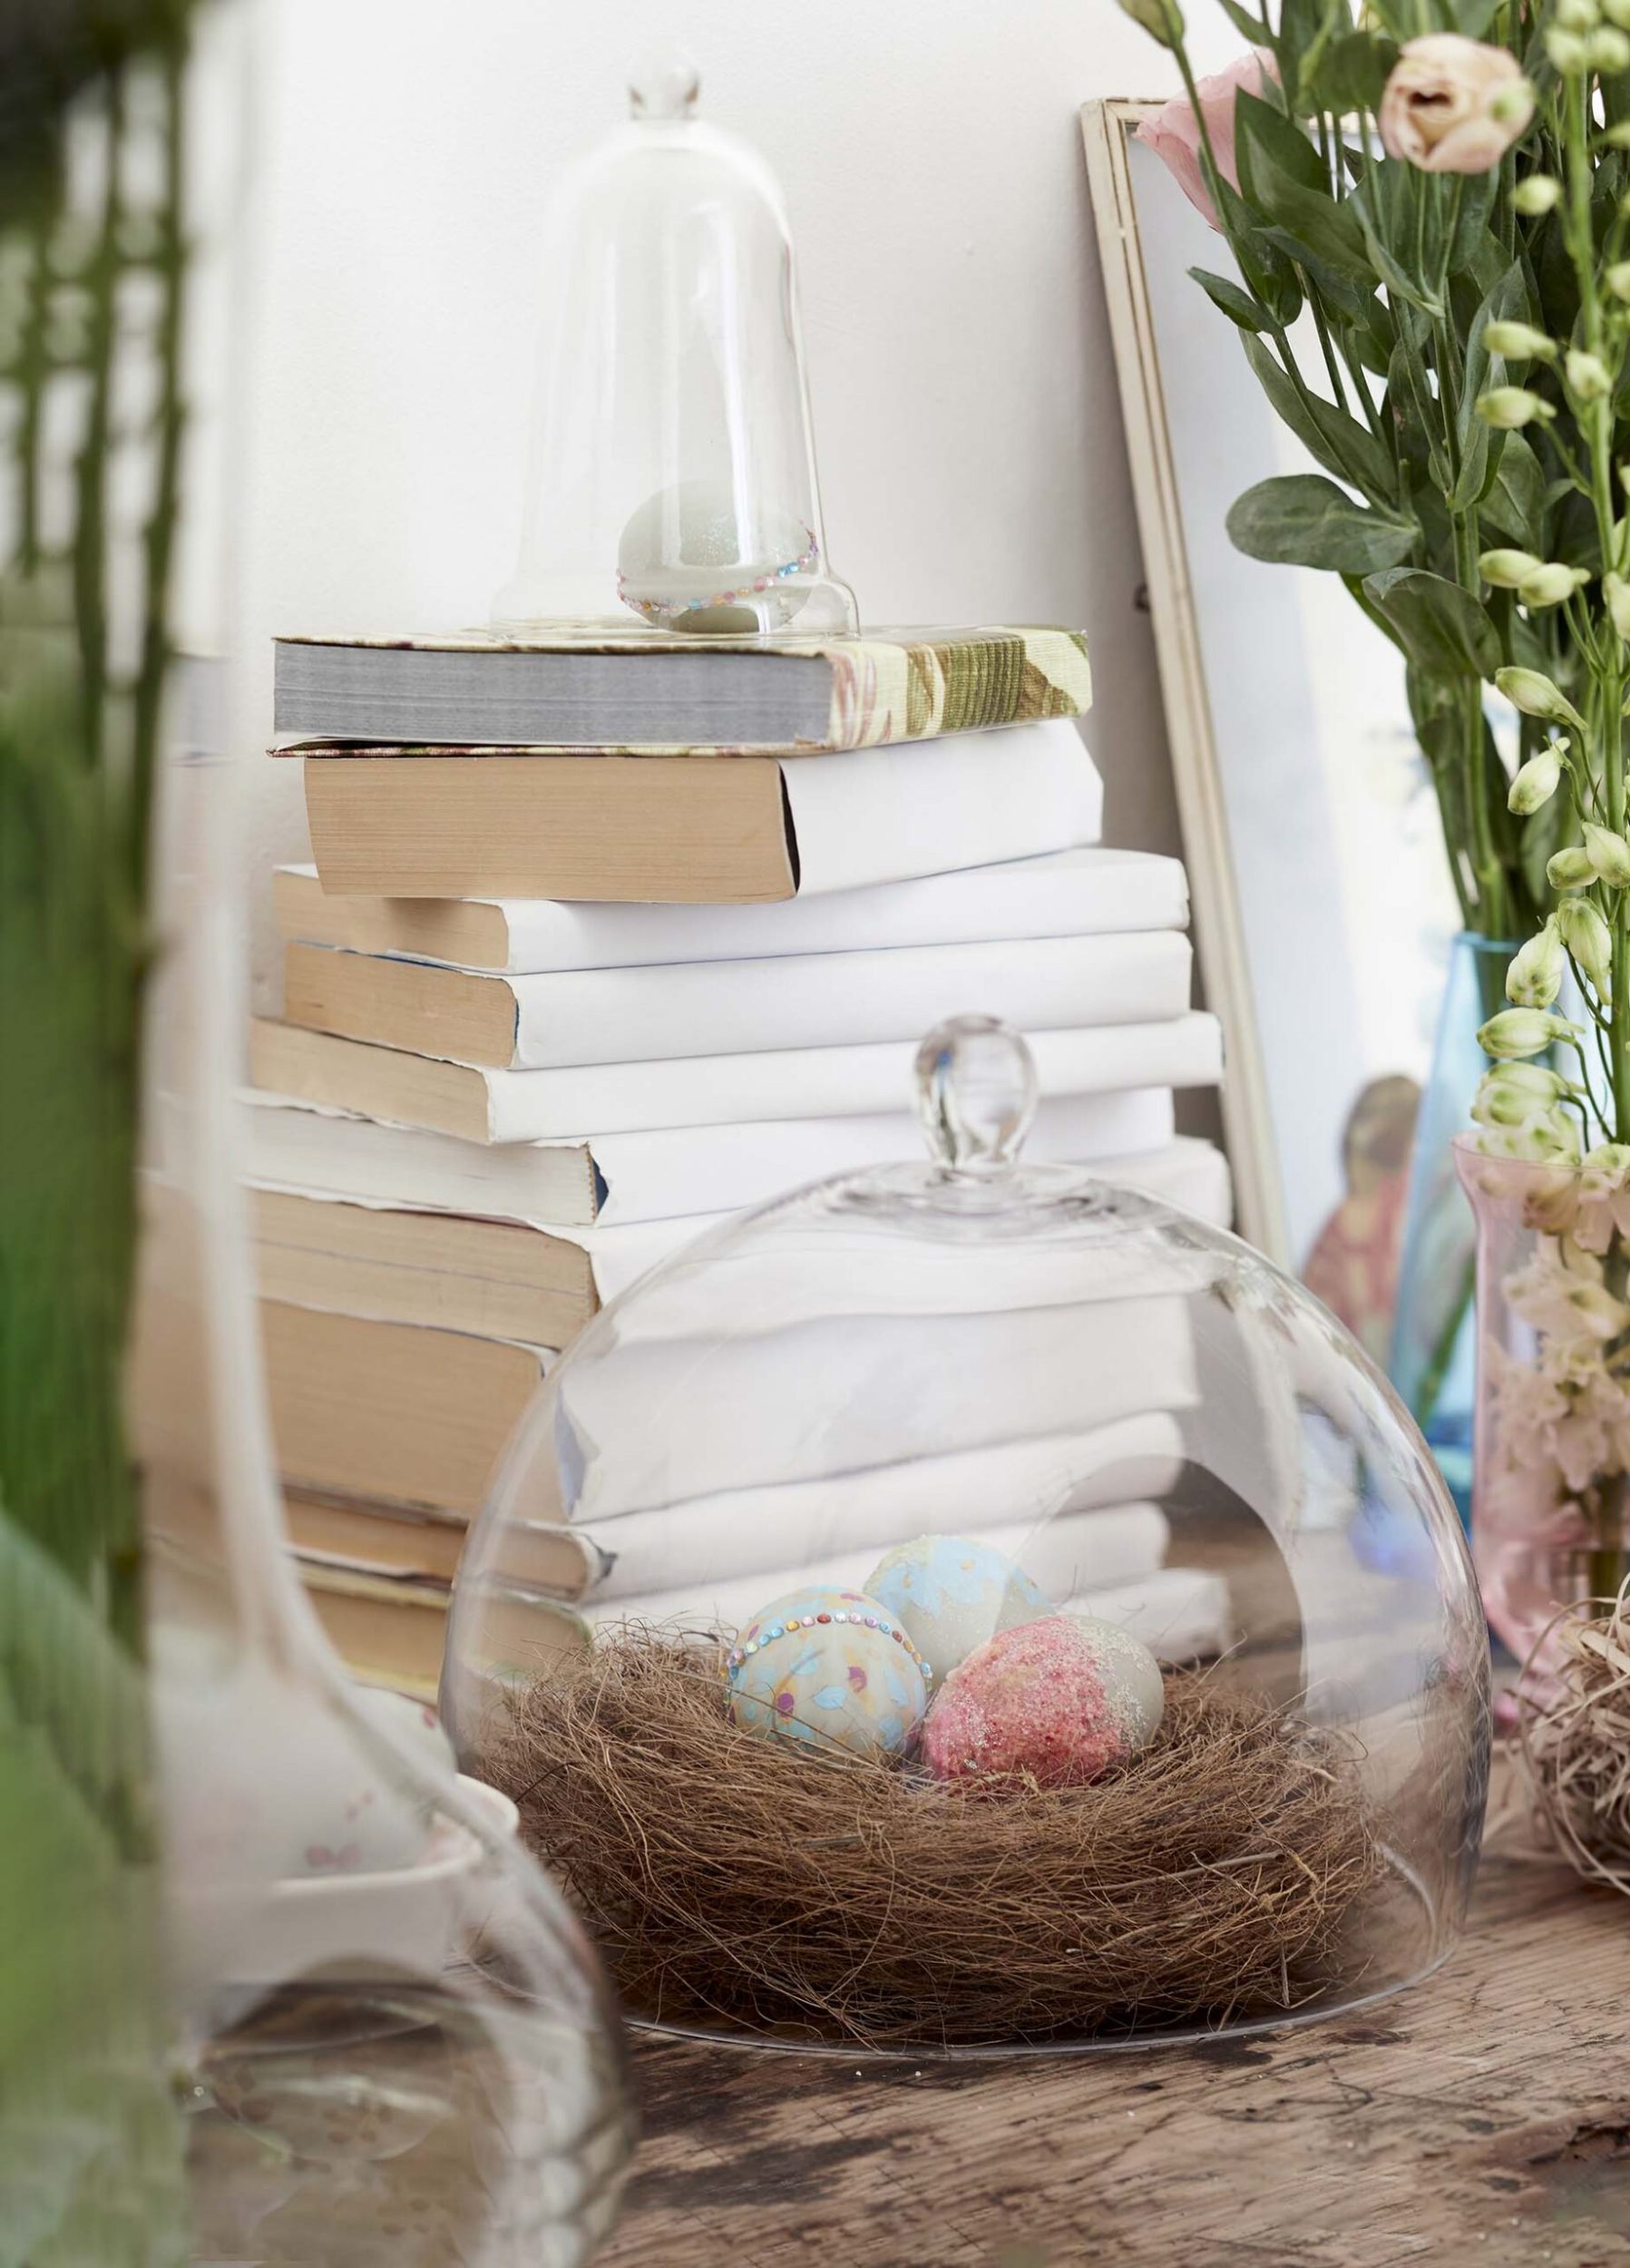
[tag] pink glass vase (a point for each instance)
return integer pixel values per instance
(1552, 1458)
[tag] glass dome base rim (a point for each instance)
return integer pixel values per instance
(1445, 1938)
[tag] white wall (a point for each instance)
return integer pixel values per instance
(969, 438)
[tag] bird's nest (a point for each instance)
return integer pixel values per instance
(760, 1885)
(1574, 1722)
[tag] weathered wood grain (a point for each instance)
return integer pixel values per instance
(1484, 2117)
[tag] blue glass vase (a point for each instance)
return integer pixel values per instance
(1434, 1358)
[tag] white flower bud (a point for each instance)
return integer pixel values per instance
(1548, 585)
(1608, 853)
(1506, 407)
(1617, 278)
(1616, 591)
(1589, 940)
(1518, 342)
(1536, 784)
(1535, 977)
(1566, 50)
(1537, 696)
(1587, 374)
(1607, 51)
(1514, 1094)
(1518, 1031)
(1505, 570)
(1539, 193)
(1617, 12)
(1569, 869)
(1578, 15)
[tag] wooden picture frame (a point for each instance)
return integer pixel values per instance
(1247, 1125)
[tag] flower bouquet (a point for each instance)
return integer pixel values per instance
(1448, 217)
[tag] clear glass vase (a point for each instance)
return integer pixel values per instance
(271, 1965)
(1433, 1356)
(1550, 1523)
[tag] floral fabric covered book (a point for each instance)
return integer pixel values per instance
(643, 691)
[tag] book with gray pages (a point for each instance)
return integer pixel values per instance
(647, 689)
(1085, 891)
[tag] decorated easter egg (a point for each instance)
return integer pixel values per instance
(951, 1594)
(1060, 1700)
(833, 1668)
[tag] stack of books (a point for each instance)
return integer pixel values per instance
(605, 940)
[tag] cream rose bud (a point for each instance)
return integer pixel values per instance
(1510, 406)
(1518, 342)
(1569, 869)
(1549, 584)
(1539, 193)
(1453, 104)
(1587, 374)
(1609, 854)
(1536, 784)
(1589, 940)
(1518, 1031)
(1535, 977)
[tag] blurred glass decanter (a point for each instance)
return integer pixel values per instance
(672, 473)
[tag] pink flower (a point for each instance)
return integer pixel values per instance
(1174, 132)
(1453, 104)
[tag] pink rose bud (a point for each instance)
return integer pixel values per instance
(1453, 104)
(1174, 132)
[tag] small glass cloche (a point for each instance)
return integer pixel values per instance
(983, 1642)
(672, 475)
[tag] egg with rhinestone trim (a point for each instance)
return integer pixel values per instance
(831, 1667)
(951, 1594)
(1058, 1702)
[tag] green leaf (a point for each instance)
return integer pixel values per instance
(1238, 306)
(1410, 403)
(1505, 302)
(1515, 505)
(1444, 629)
(1471, 237)
(1253, 27)
(1282, 179)
(1339, 441)
(1473, 17)
(1398, 280)
(1302, 519)
(1350, 73)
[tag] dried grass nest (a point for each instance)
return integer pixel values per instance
(1574, 1724)
(741, 1884)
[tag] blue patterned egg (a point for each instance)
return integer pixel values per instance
(952, 1595)
(832, 1667)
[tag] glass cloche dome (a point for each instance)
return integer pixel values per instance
(672, 473)
(967, 1607)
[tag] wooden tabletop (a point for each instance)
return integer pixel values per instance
(1483, 2118)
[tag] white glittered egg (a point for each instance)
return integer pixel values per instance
(951, 1594)
(681, 562)
(829, 1667)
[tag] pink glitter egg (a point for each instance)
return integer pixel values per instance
(1060, 1700)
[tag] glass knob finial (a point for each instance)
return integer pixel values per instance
(976, 1093)
(665, 86)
